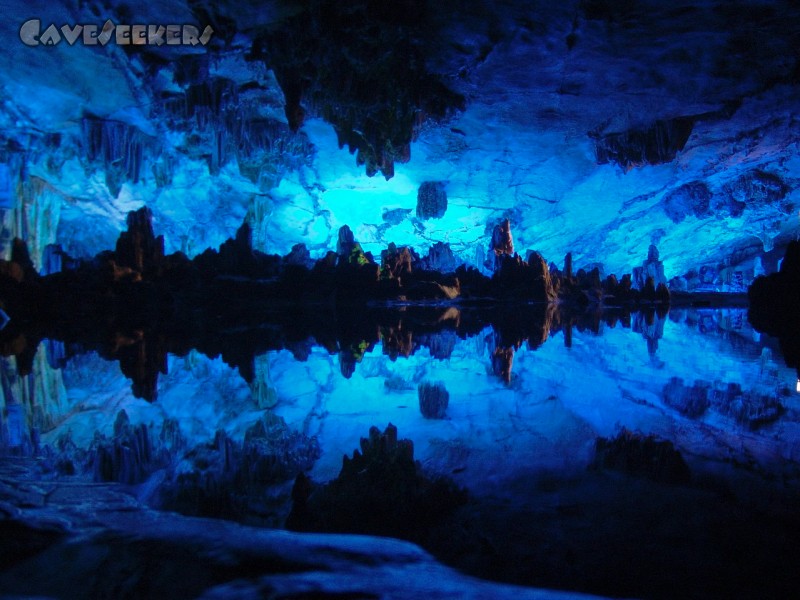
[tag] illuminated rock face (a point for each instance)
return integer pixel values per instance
(596, 127)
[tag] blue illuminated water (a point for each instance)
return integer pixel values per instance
(523, 445)
(561, 395)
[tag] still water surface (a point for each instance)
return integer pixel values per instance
(701, 378)
(513, 415)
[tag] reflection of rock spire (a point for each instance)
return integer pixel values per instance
(141, 360)
(650, 323)
(502, 363)
(347, 363)
(264, 393)
(397, 341)
(381, 491)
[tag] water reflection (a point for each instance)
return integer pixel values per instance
(691, 363)
(400, 332)
(513, 404)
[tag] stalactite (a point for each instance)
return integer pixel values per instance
(658, 143)
(266, 149)
(118, 147)
(347, 77)
(33, 217)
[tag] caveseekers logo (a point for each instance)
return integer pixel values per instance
(31, 34)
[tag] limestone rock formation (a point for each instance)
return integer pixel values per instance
(252, 125)
(654, 144)
(751, 408)
(112, 552)
(237, 251)
(116, 146)
(689, 199)
(773, 304)
(324, 59)
(757, 189)
(142, 358)
(773, 297)
(381, 490)
(642, 455)
(440, 344)
(128, 456)
(431, 200)
(433, 400)
(651, 268)
(440, 258)
(524, 279)
(138, 247)
(299, 256)
(503, 362)
(502, 244)
(53, 260)
(20, 266)
(349, 250)
(690, 401)
(398, 262)
(228, 478)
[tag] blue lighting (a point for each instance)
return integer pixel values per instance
(399, 299)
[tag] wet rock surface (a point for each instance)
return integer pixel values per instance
(107, 544)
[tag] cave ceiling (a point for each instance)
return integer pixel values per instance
(596, 126)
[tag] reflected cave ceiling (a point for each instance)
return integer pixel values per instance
(596, 126)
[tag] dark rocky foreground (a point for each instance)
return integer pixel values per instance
(87, 540)
(637, 521)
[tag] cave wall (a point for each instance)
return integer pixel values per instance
(596, 127)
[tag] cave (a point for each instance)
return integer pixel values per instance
(398, 300)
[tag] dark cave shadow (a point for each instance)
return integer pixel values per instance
(400, 330)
